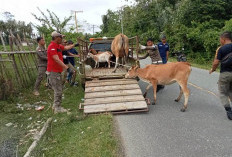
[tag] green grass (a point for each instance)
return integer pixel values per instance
(206, 66)
(71, 135)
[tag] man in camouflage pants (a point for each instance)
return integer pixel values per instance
(55, 67)
(42, 64)
(153, 52)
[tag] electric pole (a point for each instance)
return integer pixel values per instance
(93, 28)
(75, 12)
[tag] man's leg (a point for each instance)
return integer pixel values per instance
(74, 73)
(41, 74)
(64, 76)
(56, 82)
(164, 60)
(223, 87)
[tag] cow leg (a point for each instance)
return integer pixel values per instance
(147, 88)
(108, 63)
(95, 64)
(116, 65)
(186, 94)
(154, 84)
(180, 95)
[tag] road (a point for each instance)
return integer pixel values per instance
(202, 131)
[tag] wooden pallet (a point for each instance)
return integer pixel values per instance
(106, 73)
(113, 95)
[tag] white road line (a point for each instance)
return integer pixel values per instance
(205, 90)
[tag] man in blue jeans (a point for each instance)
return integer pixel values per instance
(163, 49)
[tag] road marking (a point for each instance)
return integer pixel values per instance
(205, 90)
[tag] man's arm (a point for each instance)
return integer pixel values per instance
(42, 55)
(68, 47)
(144, 56)
(57, 60)
(73, 55)
(167, 53)
(214, 66)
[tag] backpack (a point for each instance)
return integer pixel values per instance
(227, 60)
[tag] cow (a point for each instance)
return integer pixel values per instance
(120, 48)
(164, 74)
(102, 57)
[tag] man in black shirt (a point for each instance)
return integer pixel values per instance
(70, 69)
(225, 78)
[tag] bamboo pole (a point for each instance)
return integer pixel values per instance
(41, 133)
(2, 64)
(21, 59)
(19, 79)
(26, 57)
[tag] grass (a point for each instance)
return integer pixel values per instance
(206, 66)
(71, 135)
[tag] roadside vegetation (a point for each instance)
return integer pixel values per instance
(194, 25)
(72, 134)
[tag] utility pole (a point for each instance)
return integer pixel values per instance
(93, 26)
(75, 12)
(121, 17)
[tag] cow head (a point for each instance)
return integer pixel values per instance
(132, 72)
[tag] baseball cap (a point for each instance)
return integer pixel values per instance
(163, 37)
(56, 34)
(70, 42)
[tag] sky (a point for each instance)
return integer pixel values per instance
(91, 15)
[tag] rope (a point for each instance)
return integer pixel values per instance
(121, 64)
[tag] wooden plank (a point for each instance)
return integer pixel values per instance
(96, 84)
(109, 100)
(115, 107)
(109, 80)
(111, 88)
(113, 93)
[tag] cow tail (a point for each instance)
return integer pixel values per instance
(123, 44)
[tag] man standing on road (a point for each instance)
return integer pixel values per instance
(154, 54)
(55, 67)
(225, 78)
(152, 51)
(42, 64)
(163, 49)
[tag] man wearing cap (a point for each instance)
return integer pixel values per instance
(42, 64)
(163, 49)
(55, 67)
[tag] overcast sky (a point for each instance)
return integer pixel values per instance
(92, 9)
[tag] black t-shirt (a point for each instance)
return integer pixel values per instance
(222, 52)
(66, 54)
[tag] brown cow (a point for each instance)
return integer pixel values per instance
(164, 74)
(120, 48)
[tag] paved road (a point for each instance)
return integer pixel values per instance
(202, 131)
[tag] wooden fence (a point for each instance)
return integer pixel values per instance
(18, 65)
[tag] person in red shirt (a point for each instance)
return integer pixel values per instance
(55, 66)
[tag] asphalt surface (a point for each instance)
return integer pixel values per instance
(202, 131)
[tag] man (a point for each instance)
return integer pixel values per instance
(225, 78)
(55, 67)
(72, 76)
(154, 54)
(66, 56)
(152, 51)
(163, 49)
(42, 64)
